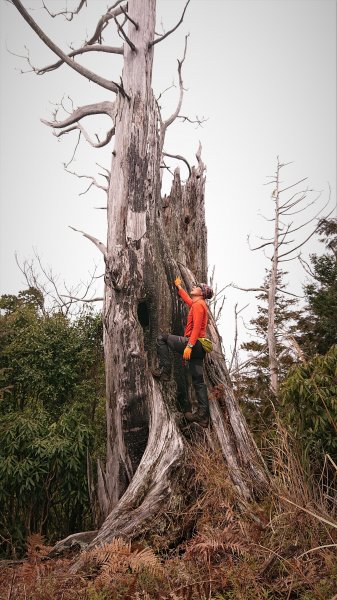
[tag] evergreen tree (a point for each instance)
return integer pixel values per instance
(308, 398)
(253, 384)
(320, 321)
(52, 418)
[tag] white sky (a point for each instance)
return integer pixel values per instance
(262, 71)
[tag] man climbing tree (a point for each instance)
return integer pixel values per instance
(192, 346)
(148, 241)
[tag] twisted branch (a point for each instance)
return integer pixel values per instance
(65, 13)
(83, 111)
(94, 240)
(179, 157)
(171, 30)
(82, 50)
(181, 95)
(101, 81)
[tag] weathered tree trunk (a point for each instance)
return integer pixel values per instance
(149, 242)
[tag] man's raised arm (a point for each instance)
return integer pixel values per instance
(184, 295)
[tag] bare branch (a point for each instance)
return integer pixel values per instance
(282, 291)
(93, 182)
(196, 121)
(181, 95)
(98, 144)
(260, 289)
(66, 165)
(286, 206)
(249, 360)
(304, 192)
(171, 30)
(311, 220)
(78, 114)
(68, 14)
(234, 353)
(109, 85)
(296, 347)
(129, 18)
(166, 90)
(107, 173)
(94, 240)
(82, 299)
(259, 247)
(127, 39)
(83, 50)
(289, 259)
(164, 166)
(83, 111)
(103, 22)
(306, 239)
(178, 157)
(294, 184)
(218, 293)
(306, 267)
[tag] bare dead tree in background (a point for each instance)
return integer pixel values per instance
(285, 248)
(149, 242)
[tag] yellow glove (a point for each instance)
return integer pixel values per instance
(177, 281)
(187, 353)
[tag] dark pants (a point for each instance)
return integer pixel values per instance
(178, 343)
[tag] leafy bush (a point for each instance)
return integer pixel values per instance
(52, 419)
(309, 399)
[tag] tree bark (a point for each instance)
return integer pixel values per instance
(149, 242)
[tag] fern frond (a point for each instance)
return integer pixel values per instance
(145, 558)
(102, 554)
(227, 540)
(36, 547)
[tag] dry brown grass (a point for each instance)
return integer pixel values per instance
(282, 548)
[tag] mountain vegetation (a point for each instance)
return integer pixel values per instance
(106, 491)
(53, 432)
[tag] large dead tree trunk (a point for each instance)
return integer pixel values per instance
(150, 241)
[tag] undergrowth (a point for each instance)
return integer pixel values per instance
(283, 547)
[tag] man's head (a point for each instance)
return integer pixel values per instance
(202, 290)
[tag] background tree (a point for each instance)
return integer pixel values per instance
(252, 381)
(319, 324)
(52, 419)
(284, 248)
(309, 407)
(149, 241)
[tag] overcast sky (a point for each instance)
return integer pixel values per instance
(263, 72)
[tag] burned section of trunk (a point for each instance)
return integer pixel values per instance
(148, 245)
(184, 221)
(144, 447)
(188, 242)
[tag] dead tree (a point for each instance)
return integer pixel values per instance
(150, 240)
(284, 248)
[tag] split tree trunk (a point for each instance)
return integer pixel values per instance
(151, 241)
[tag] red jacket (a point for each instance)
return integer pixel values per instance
(197, 317)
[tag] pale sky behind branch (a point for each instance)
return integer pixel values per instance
(263, 72)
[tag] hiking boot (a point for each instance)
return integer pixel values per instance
(161, 374)
(197, 417)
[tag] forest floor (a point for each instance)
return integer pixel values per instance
(282, 547)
